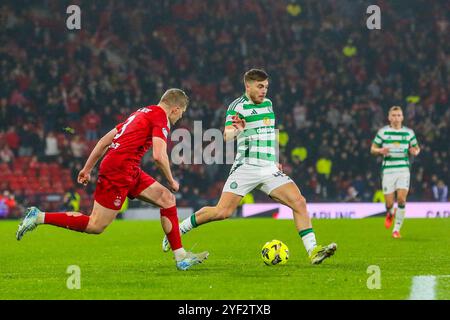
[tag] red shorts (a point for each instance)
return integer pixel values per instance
(113, 188)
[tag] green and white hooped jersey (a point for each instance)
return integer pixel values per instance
(398, 141)
(257, 143)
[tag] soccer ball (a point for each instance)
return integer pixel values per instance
(275, 252)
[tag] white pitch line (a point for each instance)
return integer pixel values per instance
(423, 288)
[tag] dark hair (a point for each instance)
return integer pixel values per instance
(255, 75)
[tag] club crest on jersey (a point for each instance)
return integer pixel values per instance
(266, 121)
(118, 201)
(164, 130)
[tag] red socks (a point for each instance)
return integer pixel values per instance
(61, 219)
(79, 223)
(174, 235)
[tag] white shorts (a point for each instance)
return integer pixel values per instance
(394, 181)
(247, 177)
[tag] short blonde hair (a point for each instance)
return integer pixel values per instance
(175, 97)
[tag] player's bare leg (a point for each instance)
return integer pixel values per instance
(100, 218)
(289, 195)
(95, 223)
(400, 213)
(390, 211)
(227, 204)
(161, 196)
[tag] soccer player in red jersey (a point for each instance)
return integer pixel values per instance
(120, 176)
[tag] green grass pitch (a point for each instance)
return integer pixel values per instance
(126, 262)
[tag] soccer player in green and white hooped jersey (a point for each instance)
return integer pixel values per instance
(251, 120)
(395, 142)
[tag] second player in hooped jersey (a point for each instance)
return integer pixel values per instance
(396, 143)
(251, 121)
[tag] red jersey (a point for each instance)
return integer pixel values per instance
(134, 138)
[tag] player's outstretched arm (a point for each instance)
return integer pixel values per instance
(162, 161)
(98, 151)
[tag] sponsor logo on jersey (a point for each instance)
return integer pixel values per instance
(254, 111)
(265, 130)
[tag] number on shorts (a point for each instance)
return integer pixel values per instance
(279, 174)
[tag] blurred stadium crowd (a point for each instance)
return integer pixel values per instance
(332, 81)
